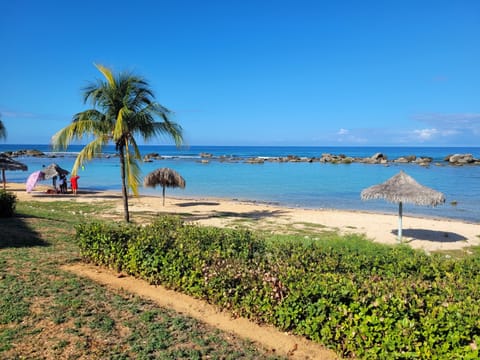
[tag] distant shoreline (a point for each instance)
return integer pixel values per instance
(454, 159)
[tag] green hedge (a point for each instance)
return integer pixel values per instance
(359, 298)
(8, 203)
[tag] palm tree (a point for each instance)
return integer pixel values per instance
(3, 130)
(3, 136)
(123, 107)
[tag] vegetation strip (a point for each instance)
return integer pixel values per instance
(359, 298)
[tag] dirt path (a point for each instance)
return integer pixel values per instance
(294, 347)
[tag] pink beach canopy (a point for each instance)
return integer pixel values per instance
(32, 180)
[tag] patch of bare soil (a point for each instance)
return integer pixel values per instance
(294, 347)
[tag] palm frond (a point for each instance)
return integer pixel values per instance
(132, 170)
(74, 131)
(171, 129)
(134, 147)
(121, 126)
(107, 73)
(3, 131)
(89, 151)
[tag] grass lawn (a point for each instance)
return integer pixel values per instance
(47, 313)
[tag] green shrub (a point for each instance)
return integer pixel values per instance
(8, 203)
(362, 299)
(104, 244)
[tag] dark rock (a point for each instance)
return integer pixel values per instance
(378, 157)
(255, 161)
(152, 156)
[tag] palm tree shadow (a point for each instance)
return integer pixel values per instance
(15, 233)
(249, 215)
(198, 203)
(431, 235)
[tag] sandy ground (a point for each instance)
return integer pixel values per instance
(421, 233)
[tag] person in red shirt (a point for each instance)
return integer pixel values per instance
(74, 183)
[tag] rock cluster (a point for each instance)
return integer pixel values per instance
(152, 156)
(32, 152)
(378, 158)
(461, 159)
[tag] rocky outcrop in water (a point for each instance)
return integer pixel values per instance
(152, 156)
(461, 159)
(377, 158)
(26, 152)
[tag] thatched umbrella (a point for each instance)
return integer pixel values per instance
(53, 170)
(166, 178)
(403, 188)
(7, 163)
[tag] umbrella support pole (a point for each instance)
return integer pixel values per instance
(400, 214)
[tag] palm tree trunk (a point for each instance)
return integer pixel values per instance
(163, 192)
(4, 180)
(124, 185)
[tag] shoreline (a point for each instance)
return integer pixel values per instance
(312, 186)
(429, 234)
(254, 202)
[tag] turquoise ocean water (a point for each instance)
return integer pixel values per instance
(302, 184)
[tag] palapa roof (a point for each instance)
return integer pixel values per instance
(7, 163)
(403, 188)
(54, 170)
(165, 177)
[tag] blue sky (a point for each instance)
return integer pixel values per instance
(359, 73)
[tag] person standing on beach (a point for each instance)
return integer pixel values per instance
(74, 183)
(63, 184)
(54, 183)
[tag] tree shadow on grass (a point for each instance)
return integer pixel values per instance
(16, 233)
(431, 235)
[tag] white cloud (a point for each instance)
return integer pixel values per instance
(342, 132)
(425, 134)
(448, 125)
